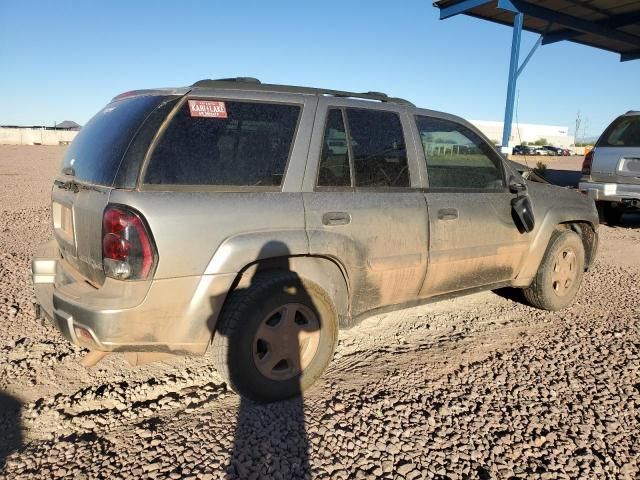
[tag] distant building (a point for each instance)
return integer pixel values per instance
(68, 125)
(61, 134)
(526, 132)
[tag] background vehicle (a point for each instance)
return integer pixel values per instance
(524, 150)
(554, 150)
(543, 151)
(611, 170)
(258, 219)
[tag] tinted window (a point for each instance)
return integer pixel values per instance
(96, 151)
(248, 145)
(624, 132)
(379, 152)
(334, 170)
(457, 157)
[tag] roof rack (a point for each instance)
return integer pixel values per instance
(206, 82)
(381, 97)
(250, 82)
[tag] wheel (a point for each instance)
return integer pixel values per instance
(275, 338)
(559, 276)
(611, 213)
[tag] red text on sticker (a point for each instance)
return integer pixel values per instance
(207, 108)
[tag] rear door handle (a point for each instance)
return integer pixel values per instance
(336, 218)
(448, 214)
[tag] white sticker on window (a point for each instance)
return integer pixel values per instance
(207, 109)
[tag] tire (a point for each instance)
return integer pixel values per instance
(611, 213)
(565, 258)
(247, 342)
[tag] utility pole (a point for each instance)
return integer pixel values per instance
(577, 130)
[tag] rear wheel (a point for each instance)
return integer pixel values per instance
(275, 338)
(559, 276)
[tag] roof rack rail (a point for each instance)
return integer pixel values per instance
(379, 96)
(237, 82)
(207, 81)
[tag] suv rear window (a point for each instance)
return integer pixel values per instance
(624, 132)
(247, 145)
(96, 152)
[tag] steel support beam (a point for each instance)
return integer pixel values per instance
(529, 55)
(518, 21)
(461, 7)
(569, 21)
(560, 35)
(616, 21)
(626, 57)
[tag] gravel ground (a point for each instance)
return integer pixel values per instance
(476, 387)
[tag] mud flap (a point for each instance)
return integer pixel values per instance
(141, 358)
(92, 358)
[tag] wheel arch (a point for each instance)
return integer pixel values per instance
(556, 218)
(325, 272)
(589, 238)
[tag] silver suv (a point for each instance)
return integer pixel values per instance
(257, 219)
(611, 171)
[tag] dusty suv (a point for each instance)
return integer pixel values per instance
(611, 171)
(258, 219)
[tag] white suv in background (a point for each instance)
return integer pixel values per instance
(611, 171)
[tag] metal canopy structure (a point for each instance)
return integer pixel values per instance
(612, 25)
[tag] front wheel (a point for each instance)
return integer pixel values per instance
(275, 338)
(559, 276)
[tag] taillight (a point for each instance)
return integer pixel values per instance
(128, 252)
(586, 163)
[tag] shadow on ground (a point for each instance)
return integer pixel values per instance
(271, 334)
(10, 427)
(629, 220)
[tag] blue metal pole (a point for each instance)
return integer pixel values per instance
(513, 77)
(533, 50)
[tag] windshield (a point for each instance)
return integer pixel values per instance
(94, 155)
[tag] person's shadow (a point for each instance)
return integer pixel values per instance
(283, 339)
(10, 427)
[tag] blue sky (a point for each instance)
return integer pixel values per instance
(63, 60)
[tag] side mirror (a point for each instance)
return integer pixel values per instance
(517, 186)
(522, 213)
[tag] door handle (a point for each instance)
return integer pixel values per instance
(448, 214)
(336, 218)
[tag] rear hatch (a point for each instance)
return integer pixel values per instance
(89, 172)
(616, 157)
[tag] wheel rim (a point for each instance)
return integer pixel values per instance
(286, 341)
(564, 272)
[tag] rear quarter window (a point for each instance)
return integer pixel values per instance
(96, 152)
(623, 132)
(248, 145)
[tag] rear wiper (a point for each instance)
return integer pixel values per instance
(70, 185)
(73, 186)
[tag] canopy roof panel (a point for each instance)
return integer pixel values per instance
(612, 25)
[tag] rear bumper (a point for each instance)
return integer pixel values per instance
(175, 315)
(611, 192)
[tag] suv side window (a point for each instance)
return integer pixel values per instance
(236, 144)
(457, 157)
(334, 170)
(378, 148)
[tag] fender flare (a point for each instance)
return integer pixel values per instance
(553, 219)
